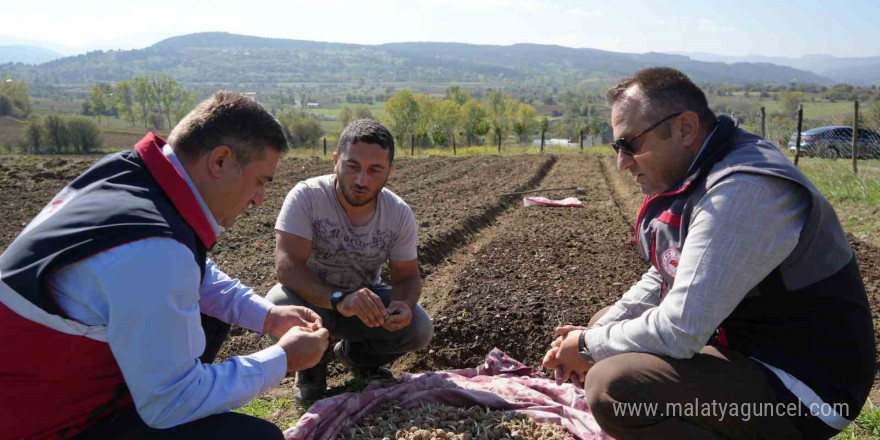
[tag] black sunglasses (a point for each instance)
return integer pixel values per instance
(626, 144)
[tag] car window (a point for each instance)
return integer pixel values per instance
(869, 134)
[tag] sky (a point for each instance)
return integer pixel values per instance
(847, 28)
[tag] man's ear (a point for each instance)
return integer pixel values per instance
(220, 158)
(335, 157)
(688, 128)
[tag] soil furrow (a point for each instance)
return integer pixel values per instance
(536, 268)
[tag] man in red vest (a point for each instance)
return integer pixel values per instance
(111, 314)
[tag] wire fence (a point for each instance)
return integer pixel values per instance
(823, 133)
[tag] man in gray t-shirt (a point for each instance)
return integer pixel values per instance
(333, 235)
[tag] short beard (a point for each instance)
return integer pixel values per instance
(346, 193)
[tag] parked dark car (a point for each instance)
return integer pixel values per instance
(836, 141)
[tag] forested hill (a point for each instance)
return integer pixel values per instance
(223, 58)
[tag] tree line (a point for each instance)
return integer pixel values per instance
(150, 101)
(438, 120)
(498, 116)
(56, 134)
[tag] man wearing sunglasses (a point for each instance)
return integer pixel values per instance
(752, 321)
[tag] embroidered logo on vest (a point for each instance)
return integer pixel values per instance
(669, 261)
(50, 209)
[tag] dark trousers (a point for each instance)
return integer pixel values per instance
(366, 346)
(695, 398)
(127, 424)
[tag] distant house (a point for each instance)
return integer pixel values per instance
(313, 105)
(552, 141)
(605, 137)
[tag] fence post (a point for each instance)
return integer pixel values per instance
(453, 145)
(325, 146)
(412, 145)
(582, 141)
(499, 142)
(855, 139)
(542, 141)
(797, 145)
(763, 122)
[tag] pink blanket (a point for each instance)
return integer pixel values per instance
(500, 383)
(543, 201)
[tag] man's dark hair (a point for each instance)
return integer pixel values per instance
(229, 119)
(666, 91)
(366, 131)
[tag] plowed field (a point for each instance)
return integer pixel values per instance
(496, 274)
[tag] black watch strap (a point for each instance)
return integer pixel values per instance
(582, 347)
(335, 298)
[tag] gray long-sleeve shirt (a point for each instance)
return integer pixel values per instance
(742, 229)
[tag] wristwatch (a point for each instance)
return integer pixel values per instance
(335, 298)
(582, 347)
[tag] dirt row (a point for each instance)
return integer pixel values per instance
(452, 203)
(451, 198)
(541, 267)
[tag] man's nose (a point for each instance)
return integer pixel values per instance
(624, 161)
(361, 178)
(258, 198)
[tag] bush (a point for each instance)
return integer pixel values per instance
(5, 105)
(14, 99)
(156, 122)
(84, 134)
(56, 132)
(34, 135)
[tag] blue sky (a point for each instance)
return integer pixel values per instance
(743, 27)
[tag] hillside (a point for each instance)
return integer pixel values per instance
(228, 59)
(16, 53)
(858, 71)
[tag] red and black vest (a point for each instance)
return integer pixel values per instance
(810, 317)
(57, 376)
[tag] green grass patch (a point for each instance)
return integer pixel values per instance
(281, 411)
(865, 427)
(334, 110)
(856, 198)
(812, 110)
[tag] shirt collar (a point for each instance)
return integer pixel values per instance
(169, 153)
(702, 150)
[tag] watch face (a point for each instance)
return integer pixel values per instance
(337, 295)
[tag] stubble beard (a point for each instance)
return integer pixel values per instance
(353, 200)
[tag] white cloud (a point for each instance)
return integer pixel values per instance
(533, 6)
(467, 3)
(708, 25)
(592, 13)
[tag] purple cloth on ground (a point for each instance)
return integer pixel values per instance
(500, 383)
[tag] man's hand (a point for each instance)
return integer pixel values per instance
(281, 318)
(364, 304)
(304, 347)
(564, 357)
(566, 329)
(399, 315)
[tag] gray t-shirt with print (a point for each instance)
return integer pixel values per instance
(343, 256)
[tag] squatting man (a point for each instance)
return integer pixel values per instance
(333, 235)
(753, 295)
(111, 314)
